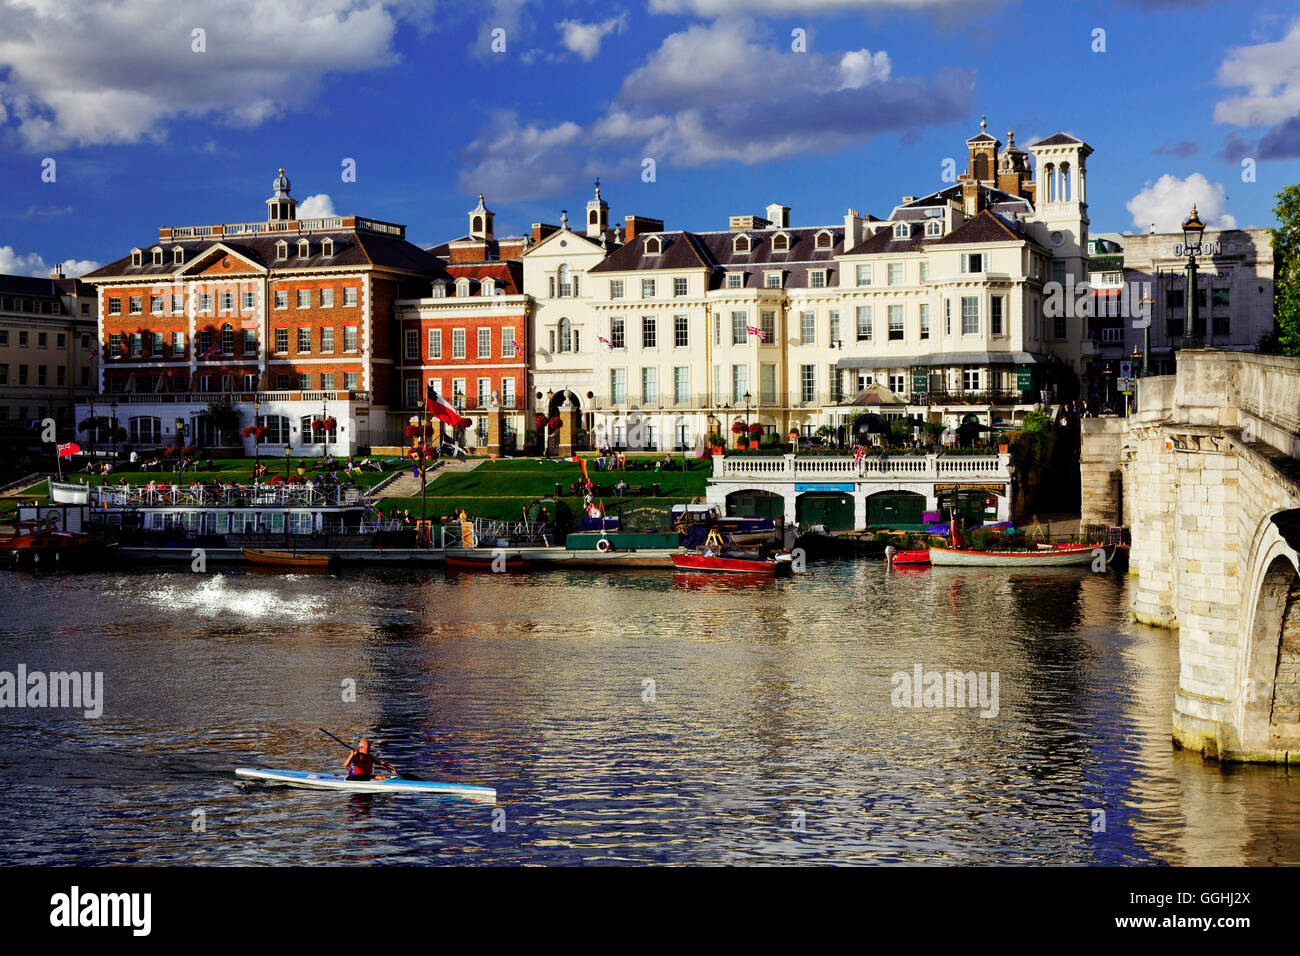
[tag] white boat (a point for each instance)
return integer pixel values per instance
(1061, 556)
(325, 781)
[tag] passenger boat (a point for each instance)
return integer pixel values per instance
(486, 562)
(1053, 556)
(36, 542)
(777, 565)
(287, 559)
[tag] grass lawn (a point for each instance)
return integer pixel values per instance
(638, 512)
(532, 478)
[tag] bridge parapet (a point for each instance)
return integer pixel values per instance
(1208, 480)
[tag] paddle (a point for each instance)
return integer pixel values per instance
(400, 775)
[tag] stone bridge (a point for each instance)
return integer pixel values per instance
(1206, 476)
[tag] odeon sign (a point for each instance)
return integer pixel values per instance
(1201, 249)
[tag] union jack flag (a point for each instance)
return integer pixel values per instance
(604, 341)
(211, 353)
(755, 330)
(519, 349)
(858, 454)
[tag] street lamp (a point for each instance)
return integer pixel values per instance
(1193, 229)
(257, 445)
(113, 408)
(748, 398)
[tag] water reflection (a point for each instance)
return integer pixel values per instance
(770, 735)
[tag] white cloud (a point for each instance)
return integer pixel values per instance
(84, 71)
(1168, 200)
(716, 93)
(719, 8)
(319, 206)
(1271, 74)
(34, 264)
(584, 39)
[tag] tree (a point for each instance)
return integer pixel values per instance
(224, 418)
(1286, 269)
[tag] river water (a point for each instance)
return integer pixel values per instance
(622, 718)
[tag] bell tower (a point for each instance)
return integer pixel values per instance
(983, 155)
(1060, 220)
(281, 207)
(597, 215)
(480, 221)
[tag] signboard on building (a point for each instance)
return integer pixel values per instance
(941, 488)
(1025, 378)
(822, 486)
(920, 379)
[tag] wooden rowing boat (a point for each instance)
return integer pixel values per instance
(486, 562)
(287, 559)
(726, 564)
(1063, 556)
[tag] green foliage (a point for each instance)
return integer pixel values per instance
(1286, 269)
(1037, 421)
(224, 418)
(900, 431)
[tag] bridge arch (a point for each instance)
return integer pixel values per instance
(1265, 701)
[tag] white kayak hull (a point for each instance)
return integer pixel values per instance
(956, 557)
(325, 781)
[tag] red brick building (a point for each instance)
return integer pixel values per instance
(467, 333)
(289, 320)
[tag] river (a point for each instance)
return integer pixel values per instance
(622, 718)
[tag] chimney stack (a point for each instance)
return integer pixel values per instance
(852, 229)
(57, 272)
(778, 216)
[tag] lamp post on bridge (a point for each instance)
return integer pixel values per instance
(1193, 230)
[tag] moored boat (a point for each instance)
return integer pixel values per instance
(917, 556)
(1063, 556)
(287, 559)
(36, 542)
(486, 562)
(777, 565)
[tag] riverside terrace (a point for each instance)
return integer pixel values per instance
(903, 491)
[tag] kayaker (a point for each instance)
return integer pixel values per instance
(361, 764)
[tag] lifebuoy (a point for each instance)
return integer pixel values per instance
(602, 545)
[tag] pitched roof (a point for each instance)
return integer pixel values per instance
(884, 242)
(358, 249)
(986, 227)
(1057, 139)
(33, 286)
(716, 252)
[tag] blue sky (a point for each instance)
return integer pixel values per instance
(146, 130)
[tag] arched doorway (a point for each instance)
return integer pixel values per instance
(896, 509)
(553, 408)
(830, 508)
(755, 504)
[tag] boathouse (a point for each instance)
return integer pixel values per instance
(903, 491)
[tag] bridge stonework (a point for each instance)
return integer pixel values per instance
(1211, 491)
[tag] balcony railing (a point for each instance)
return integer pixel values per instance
(903, 467)
(235, 398)
(159, 494)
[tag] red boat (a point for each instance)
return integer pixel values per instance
(485, 562)
(37, 542)
(780, 564)
(921, 556)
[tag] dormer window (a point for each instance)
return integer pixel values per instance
(157, 256)
(327, 247)
(742, 245)
(137, 257)
(934, 228)
(304, 249)
(178, 256)
(489, 287)
(439, 290)
(825, 239)
(902, 230)
(653, 246)
(781, 242)
(462, 287)
(282, 250)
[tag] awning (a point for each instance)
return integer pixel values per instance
(978, 358)
(900, 361)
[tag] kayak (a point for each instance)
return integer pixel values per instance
(325, 781)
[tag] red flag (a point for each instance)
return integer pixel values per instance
(68, 450)
(444, 411)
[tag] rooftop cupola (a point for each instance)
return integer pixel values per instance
(597, 214)
(480, 221)
(281, 207)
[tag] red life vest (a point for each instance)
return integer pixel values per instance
(362, 765)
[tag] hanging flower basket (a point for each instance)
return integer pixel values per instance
(554, 423)
(255, 431)
(540, 421)
(756, 429)
(739, 428)
(322, 425)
